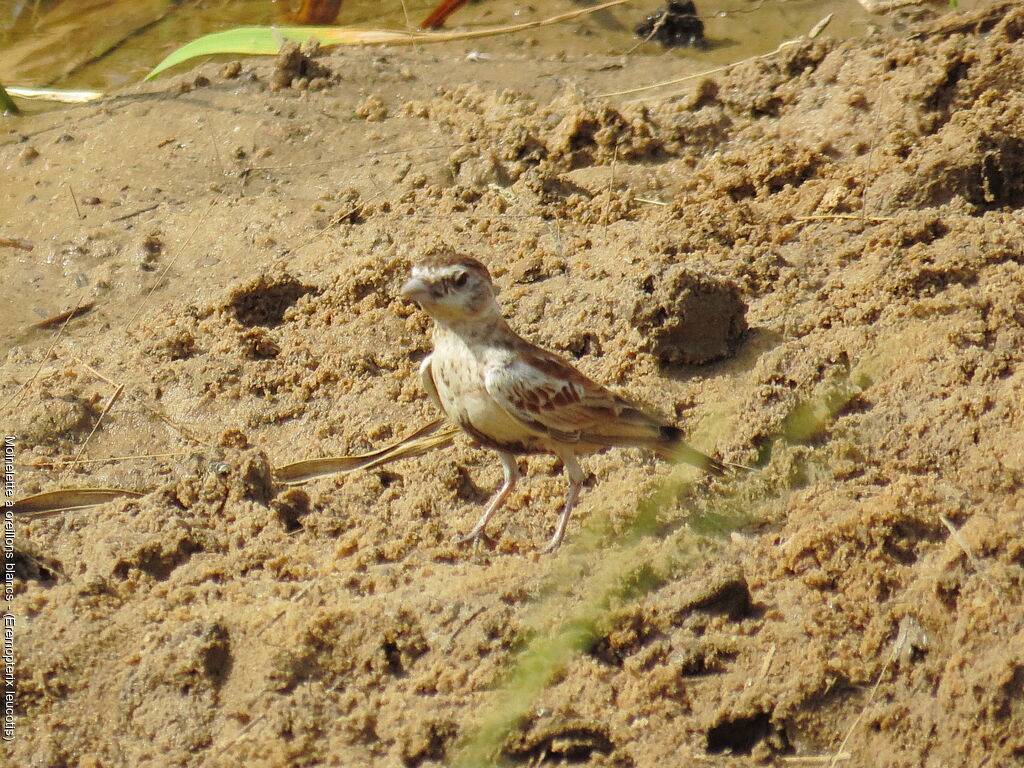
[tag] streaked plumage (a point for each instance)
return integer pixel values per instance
(517, 398)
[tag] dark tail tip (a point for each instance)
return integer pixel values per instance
(670, 435)
(674, 449)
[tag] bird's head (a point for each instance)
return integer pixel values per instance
(452, 289)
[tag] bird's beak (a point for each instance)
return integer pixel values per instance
(415, 289)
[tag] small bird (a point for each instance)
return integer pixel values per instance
(516, 398)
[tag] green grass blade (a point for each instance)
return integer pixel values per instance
(7, 103)
(267, 41)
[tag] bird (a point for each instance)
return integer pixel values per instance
(516, 398)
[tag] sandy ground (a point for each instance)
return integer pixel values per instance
(814, 263)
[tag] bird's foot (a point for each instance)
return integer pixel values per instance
(553, 544)
(473, 538)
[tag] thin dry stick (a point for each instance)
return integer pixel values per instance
(867, 181)
(152, 410)
(133, 214)
(166, 419)
(170, 263)
(843, 216)
(441, 37)
(15, 399)
(462, 626)
(654, 30)
(70, 314)
(74, 199)
(955, 533)
(94, 372)
(766, 665)
(339, 159)
(611, 185)
(216, 149)
(186, 433)
(335, 220)
(738, 11)
(104, 412)
(840, 753)
(405, 12)
(245, 728)
(15, 242)
(110, 459)
(814, 32)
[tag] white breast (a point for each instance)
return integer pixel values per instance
(459, 377)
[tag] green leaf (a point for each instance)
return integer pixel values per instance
(267, 41)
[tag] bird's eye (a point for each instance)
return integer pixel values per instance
(461, 279)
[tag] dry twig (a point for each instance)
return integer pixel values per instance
(813, 33)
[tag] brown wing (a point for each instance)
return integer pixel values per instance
(550, 397)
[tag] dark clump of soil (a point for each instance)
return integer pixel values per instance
(264, 302)
(689, 319)
(674, 26)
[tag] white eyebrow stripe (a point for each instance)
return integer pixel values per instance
(437, 273)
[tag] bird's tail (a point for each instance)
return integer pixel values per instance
(633, 427)
(671, 447)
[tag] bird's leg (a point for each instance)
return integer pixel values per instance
(576, 478)
(508, 463)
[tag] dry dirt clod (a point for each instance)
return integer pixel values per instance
(687, 318)
(295, 67)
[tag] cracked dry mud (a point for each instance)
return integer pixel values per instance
(861, 200)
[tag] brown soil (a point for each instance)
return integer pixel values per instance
(244, 246)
